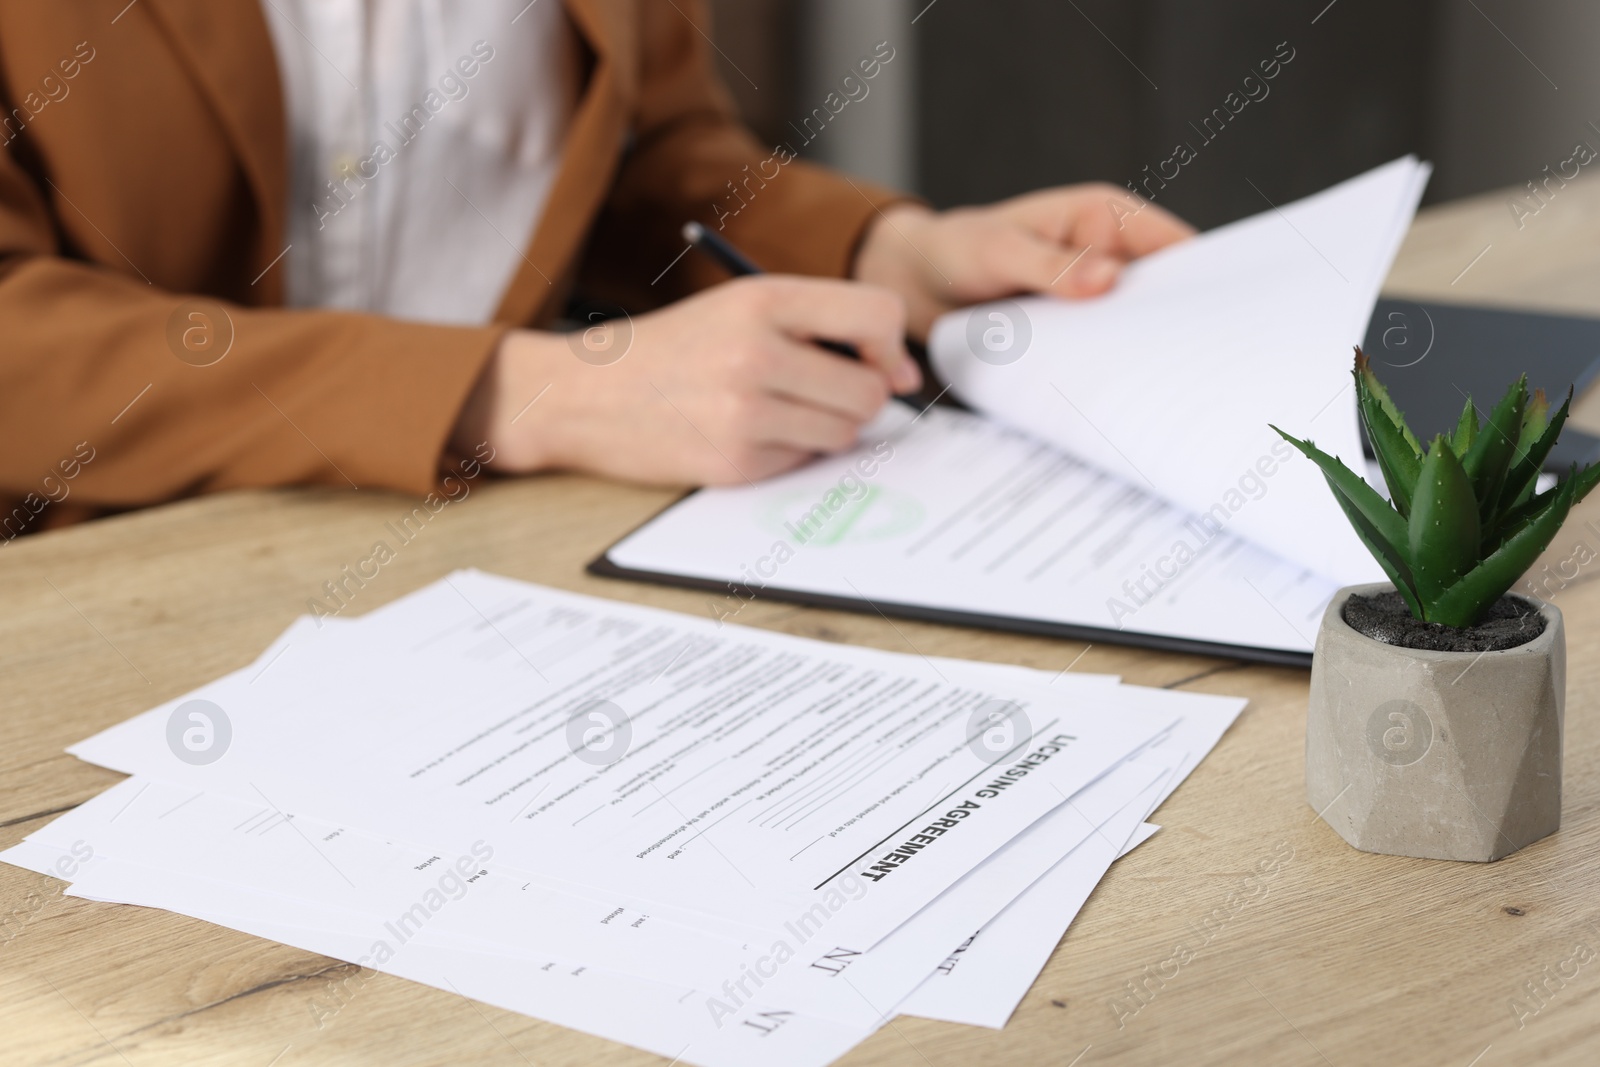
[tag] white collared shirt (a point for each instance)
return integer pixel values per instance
(424, 137)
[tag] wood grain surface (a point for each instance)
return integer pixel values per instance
(1344, 958)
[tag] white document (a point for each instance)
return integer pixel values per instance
(867, 987)
(998, 964)
(1145, 832)
(763, 771)
(461, 716)
(207, 837)
(963, 514)
(1171, 378)
(985, 978)
(984, 987)
(657, 1017)
(483, 907)
(661, 1017)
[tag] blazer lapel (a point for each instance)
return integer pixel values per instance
(229, 50)
(594, 146)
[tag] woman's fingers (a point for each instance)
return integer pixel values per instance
(869, 319)
(826, 380)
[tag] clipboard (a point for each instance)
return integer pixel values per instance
(1427, 353)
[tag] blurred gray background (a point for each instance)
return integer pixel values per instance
(986, 98)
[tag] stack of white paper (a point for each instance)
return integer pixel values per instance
(707, 841)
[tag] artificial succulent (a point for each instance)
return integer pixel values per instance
(1463, 520)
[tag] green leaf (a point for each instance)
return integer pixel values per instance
(1379, 526)
(1391, 443)
(1365, 376)
(1383, 517)
(1535, 417)
(1493, 447)
(1584, 481)
(1466, 521)
(1466, 430)
(1465, 602)
(1533, 448)
(1510, 522)
(1442, 533)
(1387, 555)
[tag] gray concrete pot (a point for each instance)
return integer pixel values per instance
(1442, 755)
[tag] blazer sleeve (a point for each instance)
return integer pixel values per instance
(691, 158)
(145, 396)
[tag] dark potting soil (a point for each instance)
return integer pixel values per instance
(1510, 622)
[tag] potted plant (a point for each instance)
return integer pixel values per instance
(1435, 722)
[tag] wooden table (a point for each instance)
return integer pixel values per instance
(1346, 959)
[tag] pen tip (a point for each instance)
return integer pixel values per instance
(692, 232)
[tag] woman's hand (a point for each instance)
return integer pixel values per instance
(1071, 242)
(724, 387)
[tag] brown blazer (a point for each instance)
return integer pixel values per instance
(142, 199)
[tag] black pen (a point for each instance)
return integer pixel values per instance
(720, 250)
(737, 263)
